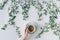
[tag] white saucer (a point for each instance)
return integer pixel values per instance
(36, 30)
(34, 25)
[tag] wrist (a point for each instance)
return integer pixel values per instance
(23, 38)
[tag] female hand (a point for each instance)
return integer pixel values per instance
(25, 34)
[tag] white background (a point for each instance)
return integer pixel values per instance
(10, 33)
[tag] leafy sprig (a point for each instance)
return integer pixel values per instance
(25, 10)
(3, 4)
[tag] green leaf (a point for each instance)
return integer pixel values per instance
(3, 28)
(12, 18)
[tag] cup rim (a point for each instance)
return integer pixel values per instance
(33, 30)
(34, 25)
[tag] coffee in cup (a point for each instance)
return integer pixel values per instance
(31, 28)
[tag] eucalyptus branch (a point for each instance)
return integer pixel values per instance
(12, 15)
(41, 10)
(25, 10)
(18, 31)
(4, 27)
(3, 4)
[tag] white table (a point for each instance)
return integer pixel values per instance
(10, 34)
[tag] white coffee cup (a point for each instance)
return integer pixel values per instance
(34, 25)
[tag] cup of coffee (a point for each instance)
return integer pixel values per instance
(32, 27)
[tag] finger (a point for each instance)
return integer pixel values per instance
(26, 29)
